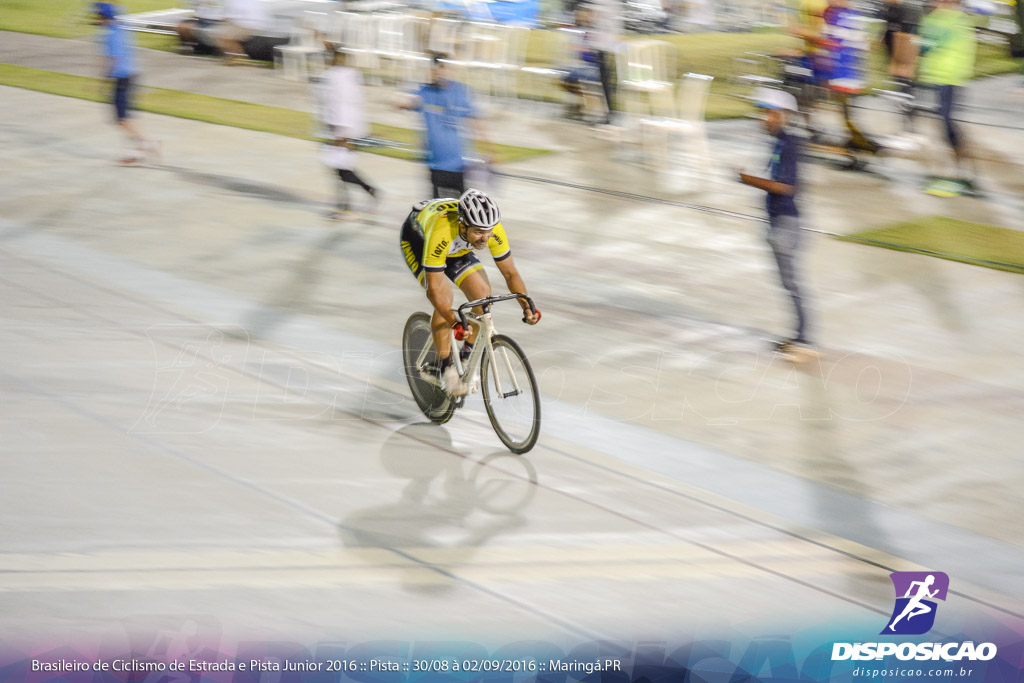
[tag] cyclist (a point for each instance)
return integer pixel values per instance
(438, 240)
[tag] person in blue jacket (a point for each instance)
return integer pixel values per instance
(120, 68)
(445, 105)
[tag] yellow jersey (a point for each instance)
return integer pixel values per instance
(439, 220)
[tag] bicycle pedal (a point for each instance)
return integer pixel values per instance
(474, 386)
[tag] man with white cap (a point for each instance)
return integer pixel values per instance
(781, 187)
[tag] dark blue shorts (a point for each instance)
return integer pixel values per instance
(123, 88)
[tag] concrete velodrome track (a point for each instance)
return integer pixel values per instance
(204, 419)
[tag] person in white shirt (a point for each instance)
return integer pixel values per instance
(344, 114)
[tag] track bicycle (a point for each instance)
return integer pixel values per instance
(496, 366)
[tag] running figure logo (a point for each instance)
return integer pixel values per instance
(916, 592)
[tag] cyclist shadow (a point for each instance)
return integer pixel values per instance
(841, 505)
(452, 505)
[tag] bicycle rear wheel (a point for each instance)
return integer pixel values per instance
(511, 398)
(430, 397)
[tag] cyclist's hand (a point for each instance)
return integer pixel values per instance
(460, 331)
(531, 317)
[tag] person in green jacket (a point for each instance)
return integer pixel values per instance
(947, 63)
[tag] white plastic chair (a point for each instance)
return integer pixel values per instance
(301, 54)
(646, 73)
(399, 48)
(486, 46)
(513, 59)
(687, 119)
(389, 44)
(443, 36)
(361, 41)
(334, 30)
(556, 44)
(414, 63)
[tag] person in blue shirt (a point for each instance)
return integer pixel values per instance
(445, 105)
(120, 68)
(781, 188)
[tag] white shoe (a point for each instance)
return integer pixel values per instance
(452, 383)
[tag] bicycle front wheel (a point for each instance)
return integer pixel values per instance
(510, 395)
(420, 359)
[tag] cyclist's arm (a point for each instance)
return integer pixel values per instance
(440, 295)
(507, 267)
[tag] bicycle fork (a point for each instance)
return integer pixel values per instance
(508, 366)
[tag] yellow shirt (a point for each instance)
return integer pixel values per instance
(811, 15)
(439, 220)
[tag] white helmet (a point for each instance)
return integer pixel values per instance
(477, 210)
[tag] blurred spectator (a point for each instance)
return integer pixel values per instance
(585, 68)
(445, 105)
(901, 20)
(846, 45)
(606, 20)
(345, 117)
(782, 186)
(243, 20)
(119, 67)
(809, 26)
(195, 32)
(947, 62)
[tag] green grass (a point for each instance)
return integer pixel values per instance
(70, 18)
(952, 239)
(259, 117)
(707, 53)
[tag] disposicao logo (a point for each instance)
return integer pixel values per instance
(913, 615)
(916, 593)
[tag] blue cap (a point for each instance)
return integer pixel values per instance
(107, 10)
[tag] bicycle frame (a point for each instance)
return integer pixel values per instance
(485, 333)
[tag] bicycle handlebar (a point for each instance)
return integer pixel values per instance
(488, 301)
